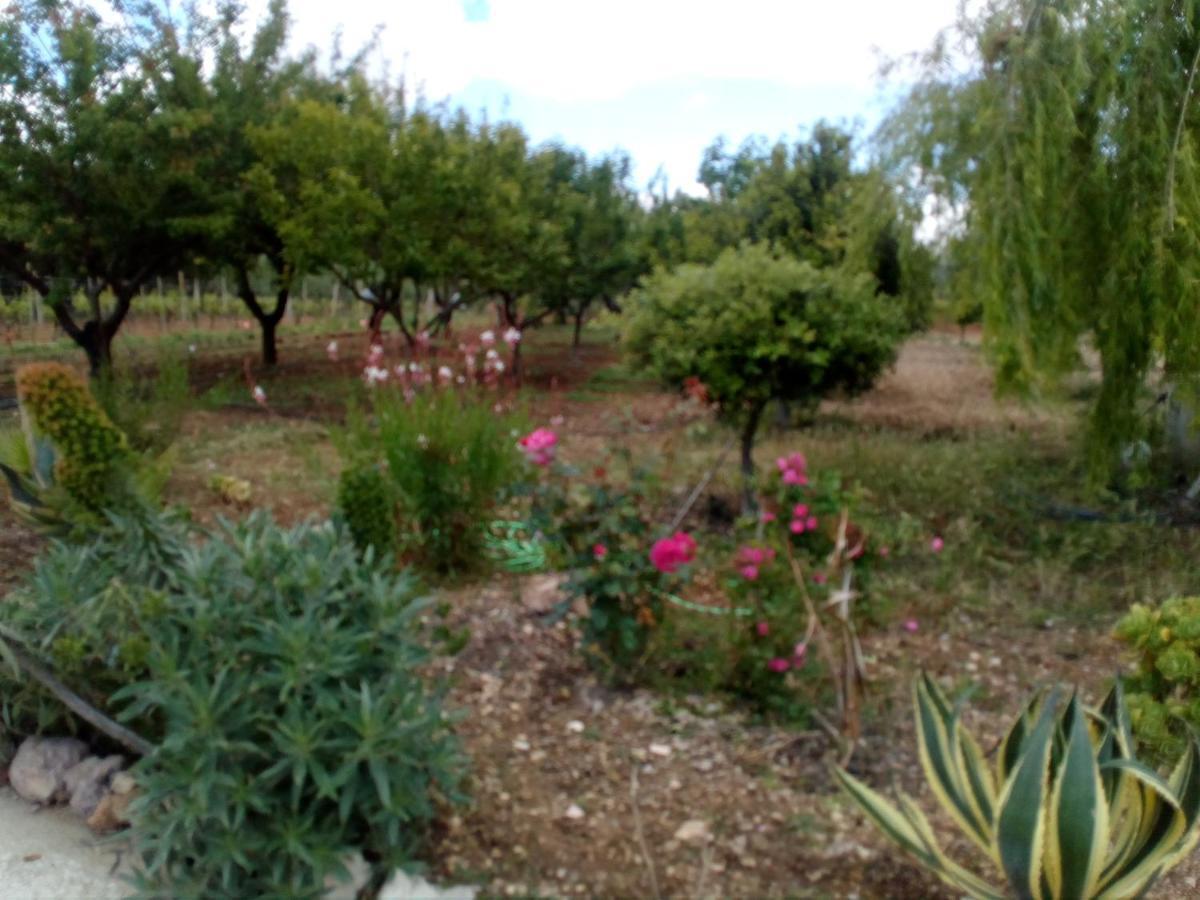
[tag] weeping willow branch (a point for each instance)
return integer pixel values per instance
(1183, 105)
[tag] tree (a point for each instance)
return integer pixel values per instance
(97, 187)
(1066, 134)
(757, 326)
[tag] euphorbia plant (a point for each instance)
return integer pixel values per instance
(1066, 811)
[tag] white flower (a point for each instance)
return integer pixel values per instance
(375, 375)
(498, 366)
(260, 396)
(488, 338)
(445, 374)
(422, 441)
(423, 338)
(461, 379)
(492, 354)
(414, 367)
(331, 349)
(191, 348)
(512, 336)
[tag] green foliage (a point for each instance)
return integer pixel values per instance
(756, 327)
(297, 724)
(147, 409)
(82, 611)
(1068, 810)
(279, 676)
(91, 455)
(1066, 133)
(1163, 695)
(366, 500)
(448, 456)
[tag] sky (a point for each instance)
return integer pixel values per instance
(658, 78)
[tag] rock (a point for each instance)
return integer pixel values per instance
(693, 831)
(540, 593)
(38, 770)
(87, 782)
(112, 813)
(122, 783)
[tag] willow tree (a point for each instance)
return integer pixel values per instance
(1066, 133)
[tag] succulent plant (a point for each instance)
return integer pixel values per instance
(1065, 811)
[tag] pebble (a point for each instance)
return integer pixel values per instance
(660, 749)
(521, 745)
(574, 811)
(575, 726)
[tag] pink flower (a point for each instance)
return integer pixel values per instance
(763, 629)
(375, 355)
(797, 527)
(911, 626)
(755, 556)
(791, 476)
(820, 577)
(422, 339)
(669, 553)
(799, 654)
(487, 338)
(599, 551)
(810, 523)
(937, 544)
(766, 516)
(538, 446)
(884, 551)
(750, 572)
(800, 510)
(512, 336)
(779, 664)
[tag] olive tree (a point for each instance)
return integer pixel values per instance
(756, 326)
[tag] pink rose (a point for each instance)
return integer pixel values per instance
(669, 553)
(937, 544)
(763, 629)
(779, 664)
(538, 446)
(750, 573)
(800, 511)
(797, 527)
(599, 551)
(911, 626)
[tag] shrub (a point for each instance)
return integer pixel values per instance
(149, 411)
(367, 502)
(1067, 812)
(1164, 694)
(81, 612)
(448, 456)
(298, 727)
(755, 327)
(279, 676)
(90, 452)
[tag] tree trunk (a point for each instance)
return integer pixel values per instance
(749, 430)
(577, 340)
(270, 349)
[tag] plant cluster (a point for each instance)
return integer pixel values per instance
(1066, 811)
(447, 456)
(1164, 699)
(73, 450)
(280, 678)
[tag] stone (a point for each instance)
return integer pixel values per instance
(693, 831)
(38, 770)
(87, 782)
(112, 813)
(540, 593)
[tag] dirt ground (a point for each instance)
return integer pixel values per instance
(581, 791)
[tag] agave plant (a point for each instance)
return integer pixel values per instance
(1066, 810)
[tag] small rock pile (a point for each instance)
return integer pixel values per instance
(50, 770)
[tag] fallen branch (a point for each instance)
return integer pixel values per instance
(71, 700)
(700, 486)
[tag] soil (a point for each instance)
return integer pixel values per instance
(581, 790)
